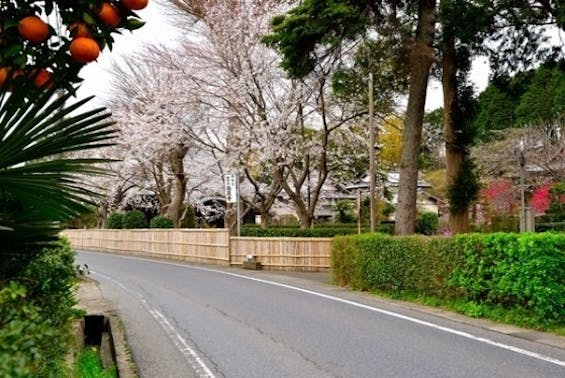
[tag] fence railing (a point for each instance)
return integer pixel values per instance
(208, 246)
(291, 254)
(195, 246)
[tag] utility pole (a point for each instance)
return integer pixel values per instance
(522, 161)
(372, 168)
(527, 223)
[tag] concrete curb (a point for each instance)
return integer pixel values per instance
(90, 299)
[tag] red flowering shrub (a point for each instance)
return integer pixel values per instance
(541, 199)
(500, 196)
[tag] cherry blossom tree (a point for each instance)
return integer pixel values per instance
(251, 107)
(279, 134)
(157, 151)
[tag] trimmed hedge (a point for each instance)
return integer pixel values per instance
(161, 221)
(523, 272)
(115, 221)
(134, 219)
(319, 231)
(552, 226)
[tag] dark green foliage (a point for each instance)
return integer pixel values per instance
(544, 98)
(134, 219)
(531, 97)
(39, 188)
(465, 187)
(380, 56)
(115, 221)
(427, 223)
(49, 280)
(35, 310)
(543, 226)
(315, 22)
(526, 271)
(386, 228)
(161, 222)
(519, 273)
(344, 211)
(397, 265)
(496, 112)
(320, 231)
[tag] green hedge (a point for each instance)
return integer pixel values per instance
(551, 226)
(134, 219)
(35, 311)
(516, 272)
(115, 221)
(414, 265)
(319, 231)
(161, 221)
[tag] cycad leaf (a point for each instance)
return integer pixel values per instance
(39, 187)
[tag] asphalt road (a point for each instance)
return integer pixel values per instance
(190, 321)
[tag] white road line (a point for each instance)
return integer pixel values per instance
(370, 308)
(189, 354)
(201, 369)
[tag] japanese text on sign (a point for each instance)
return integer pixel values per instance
(231, 188)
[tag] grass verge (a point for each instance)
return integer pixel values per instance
(498, 314)
(89, 365)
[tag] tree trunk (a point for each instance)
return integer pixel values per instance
(304, 217)
(174, 209)
(230, 218)
(421, 59)
(266, 218)
(455, 154)
(102, 215)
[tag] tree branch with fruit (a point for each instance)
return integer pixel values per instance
(47, 42)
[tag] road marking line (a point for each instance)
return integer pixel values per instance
(370, 308)
(403, 317)
(189, 354)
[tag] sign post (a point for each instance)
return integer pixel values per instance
(231, 182)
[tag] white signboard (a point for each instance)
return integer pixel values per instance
(230, 182)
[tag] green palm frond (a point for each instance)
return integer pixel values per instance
(39, 186)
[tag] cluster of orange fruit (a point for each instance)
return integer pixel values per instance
(83, 47)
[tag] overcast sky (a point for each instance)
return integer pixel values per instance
(158, 30)
(97, 76)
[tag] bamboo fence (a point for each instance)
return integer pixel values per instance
(289, 254)
(208, 246)
(190, 245)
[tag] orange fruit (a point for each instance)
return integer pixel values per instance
(84, 49)
(78, 29)
(4, 73)
(8, 73)
(41, 78)
(109, 15)
(135, 4)
(33, 29)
